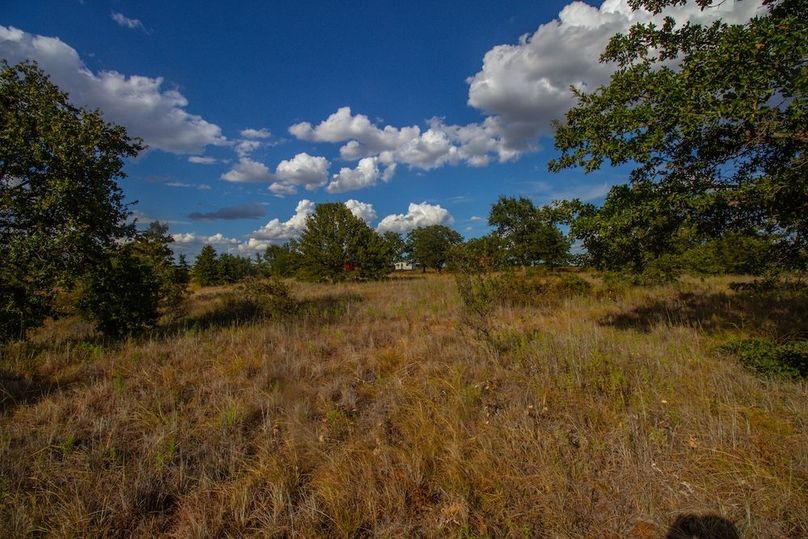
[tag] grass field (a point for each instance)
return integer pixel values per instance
(376, 410)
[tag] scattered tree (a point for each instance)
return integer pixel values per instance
(336, 246)
(283, 260)
(152, 246)
(123, 295)
(430, 246)
(480, 254)
(529, 234)
(396, 246)
(182, 271)
(234, 268)
(206, 267)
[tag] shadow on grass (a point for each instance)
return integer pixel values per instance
(235, 311)
(702, 527)
(18, 389)
(326, 309)
(780, 314)
(21, 384)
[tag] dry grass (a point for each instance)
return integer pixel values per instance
(375, 411)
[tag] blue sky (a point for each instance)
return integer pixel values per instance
(450, 104)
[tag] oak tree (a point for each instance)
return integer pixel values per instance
(715, 120)
(61, 208)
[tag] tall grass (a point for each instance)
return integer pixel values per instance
(371, 409)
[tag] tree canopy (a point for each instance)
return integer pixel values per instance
(336, 246)
(282, 260)
(430, 246)
(714, 118)
(528, 234)
(206, 269)
(61, 208)
(396, 246)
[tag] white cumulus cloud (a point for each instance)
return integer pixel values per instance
(437, 145)
(276, 231)
(344, 126)
(418, 215)
(281, 189)
(389, 172)
(193, 239)
(303, 170)
(139, 103)
(246, 147)
(247, 170)
(365, 174)
(524, 86)
(361, 210)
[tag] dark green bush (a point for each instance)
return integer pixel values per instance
(615, 284)
(528, 288)
(122, 297)
(662, 270)
(789, 360)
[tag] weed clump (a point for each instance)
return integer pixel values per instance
(789, 360)
(479, 295)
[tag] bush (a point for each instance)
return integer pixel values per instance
(788, 360)
(22, 308)
(662, 270)
(617, 282)
(481, 291)
(538, 287)
(122, 296)
(524, 289)
(571, 284)
(271, 297)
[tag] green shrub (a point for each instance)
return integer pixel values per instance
(479, 294)
(122, 296)
(788, 360)
(662, 270)
(531, 288)
(571, 284)
(615, 284)
(271, 297)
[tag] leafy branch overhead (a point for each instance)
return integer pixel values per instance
(714, 118)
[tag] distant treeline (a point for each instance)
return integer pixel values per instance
(524, 235)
